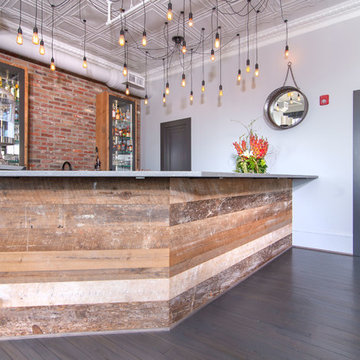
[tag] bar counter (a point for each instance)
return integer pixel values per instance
(104, 251)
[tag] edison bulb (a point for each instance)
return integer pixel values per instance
(125, 70)
(287, 51)
(247, 65)
(217, 41)
(127, 91)
(35, 37)
(42, 48)
(169, 13)
(122, 38)
(146, 100)
(183, 49)
(144, 40)
(191, 22)
(84, 62)
(203, 86)
(167, 89)
(256, 70)
(52, 64)
(239, 75)
(164, 98)
(212, 56)
(221, 90)
(191, 96)
(19, 37)
(183, 81)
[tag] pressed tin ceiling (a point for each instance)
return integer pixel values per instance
(102, 39)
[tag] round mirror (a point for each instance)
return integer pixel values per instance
(286, 107)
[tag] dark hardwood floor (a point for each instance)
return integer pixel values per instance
(304, 305)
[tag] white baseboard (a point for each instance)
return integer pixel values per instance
(339, 243)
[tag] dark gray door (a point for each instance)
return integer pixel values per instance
(176, 145)
(356, 181)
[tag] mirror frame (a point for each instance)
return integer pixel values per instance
(271, 99)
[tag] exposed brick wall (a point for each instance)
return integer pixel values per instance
(62, 117)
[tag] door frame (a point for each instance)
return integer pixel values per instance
(356, 172)
(187, 123)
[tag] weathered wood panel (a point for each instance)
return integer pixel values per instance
(187, 190)
(122, 236)
(105, 248)
(189, 301)
(215, 245)
(81, 275)
(83, 191)
(80, 318)
(83, 260)
(181, 213)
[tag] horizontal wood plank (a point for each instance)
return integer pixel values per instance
(83, 260)
(188, 190)
(202, 209)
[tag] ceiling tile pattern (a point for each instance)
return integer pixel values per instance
(102, 39)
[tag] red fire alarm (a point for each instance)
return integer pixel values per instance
(324, 100)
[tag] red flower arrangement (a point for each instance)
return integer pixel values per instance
(251, 151)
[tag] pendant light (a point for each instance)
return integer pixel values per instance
(256, 73)
(52, 64)
(183, 78)
(239, 59)
(127, 91)
(217, 36)
(191, 77)
(167, 87)
(19, 37)
(220, 86)
(125, 69)
(164, 93)
(169, 12)
(122, 32)
(122, 37)
(212, 53)
(42, 45)
(183, 49)
(248, 38)
(191, 20)
(144, 40)
(84, 58)
(287, 39)
(35, 37)
(217, 41)
(146, 100)
(203, 60)
(286, 52)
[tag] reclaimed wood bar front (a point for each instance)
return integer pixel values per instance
(103, 251)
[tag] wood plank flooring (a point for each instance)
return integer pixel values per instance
(304, 305)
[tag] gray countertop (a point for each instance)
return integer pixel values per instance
(147, 174)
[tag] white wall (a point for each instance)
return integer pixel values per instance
(326, 61)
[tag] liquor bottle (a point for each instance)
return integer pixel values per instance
(117, 113)
(113, 114)
(130, 147)
(97, 160)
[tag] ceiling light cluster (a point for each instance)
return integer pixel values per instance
(180, 47)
